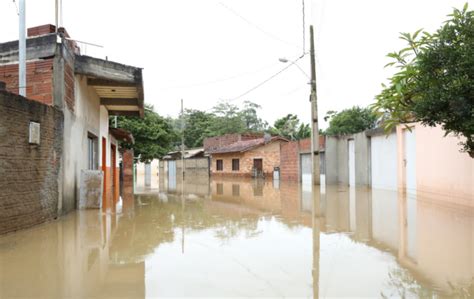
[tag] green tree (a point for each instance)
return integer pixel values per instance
(250, 118)
(198, 125)
(154, 135)
(435, 82)
(290, 128)
(227, 120)
(349, 121)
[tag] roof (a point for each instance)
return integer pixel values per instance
(245, 145)
(119, 86)
(188, 154)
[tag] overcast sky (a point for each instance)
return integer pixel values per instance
(206, 51)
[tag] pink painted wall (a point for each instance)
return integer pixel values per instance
(443, 173)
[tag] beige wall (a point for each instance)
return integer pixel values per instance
(443, 172)
(270, 154)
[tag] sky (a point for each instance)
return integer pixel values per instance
(207, 51)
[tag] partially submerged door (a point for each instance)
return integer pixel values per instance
(113, 168)
(306, 167)
(351, 150)
(409, 160)
(258, 167)
(172, 175)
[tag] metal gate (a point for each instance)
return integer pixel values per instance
(306, 167)
(351, 149)
(171, 175)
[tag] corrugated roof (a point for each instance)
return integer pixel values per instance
(245, 145)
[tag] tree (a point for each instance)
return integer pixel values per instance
(290, 128)
(435, 82)
(198, 125)
(228, 120)
(350, 121)
(250, 118)
(154, 135)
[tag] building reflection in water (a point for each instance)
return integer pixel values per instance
(250, 237)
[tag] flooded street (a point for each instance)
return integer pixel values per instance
(246, 238)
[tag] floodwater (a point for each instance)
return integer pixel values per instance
(246, 238)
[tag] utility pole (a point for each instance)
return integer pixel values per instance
(314, 116)
(22, 51)
(182, 140)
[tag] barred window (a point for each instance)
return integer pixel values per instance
(219, 165)
(235, 165)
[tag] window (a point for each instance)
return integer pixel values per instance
(219, 165)
(235, 165)
(92, 149)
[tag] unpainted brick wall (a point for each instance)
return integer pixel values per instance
(39, 79)
(219, 141)
(28, 173)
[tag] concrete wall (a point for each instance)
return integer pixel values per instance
(337, 159)
(29, 174)
(384, 161)
(442, 171)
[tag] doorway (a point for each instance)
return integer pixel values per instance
(409, 160)
(104, 170)
(351, 149)
(113, 161)
(258, 167)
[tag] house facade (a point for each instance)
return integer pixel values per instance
(87, 90)
(247, 158)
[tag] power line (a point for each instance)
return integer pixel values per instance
(258, 27)
(17, 10)
(266, 80)
(219, 80)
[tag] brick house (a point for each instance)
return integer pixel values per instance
(246, 157)
(87, 91)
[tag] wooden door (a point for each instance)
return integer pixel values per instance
(258, 166)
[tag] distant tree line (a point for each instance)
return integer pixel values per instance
(156, 135)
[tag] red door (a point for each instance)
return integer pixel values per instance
(104, 170)
(113, 168)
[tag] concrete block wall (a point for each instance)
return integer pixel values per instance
(29, 173)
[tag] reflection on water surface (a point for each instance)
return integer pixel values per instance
(246, 238)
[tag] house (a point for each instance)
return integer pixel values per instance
(196, 163)
(247, 158)
(87, 91)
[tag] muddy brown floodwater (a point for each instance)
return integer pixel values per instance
(246, 238)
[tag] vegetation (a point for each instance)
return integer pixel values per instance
(349, 121)
(154, 135)
(435, 81)
(290, 128)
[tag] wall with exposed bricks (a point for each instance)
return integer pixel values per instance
(29, 173)
(39, 79)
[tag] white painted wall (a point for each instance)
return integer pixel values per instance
(384, 162)
(88, 116)
(85, 118)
